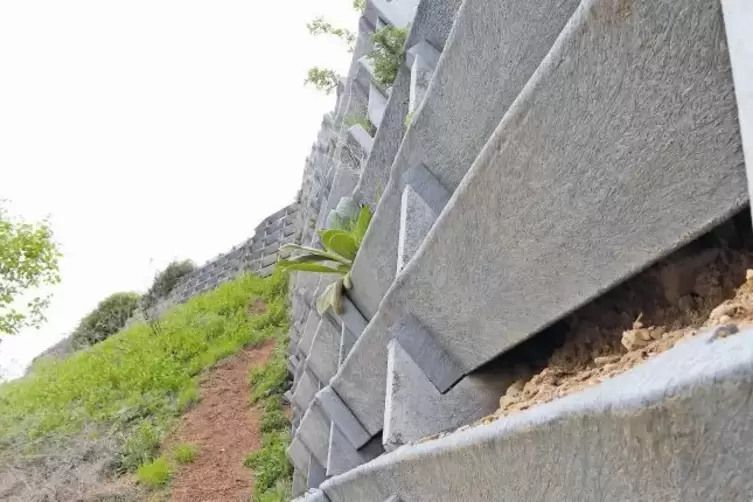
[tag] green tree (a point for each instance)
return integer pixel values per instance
(359, 5)
(322, 78)
(108, 318)
(28, 260)
(321, 27)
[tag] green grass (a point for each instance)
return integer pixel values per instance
(136, 382)
(185, 453)
(272, 470)
(155, 474)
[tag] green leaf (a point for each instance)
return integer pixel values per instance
(340, 242)
(286, 265)
(317, 252)
(331, 298)
(362, 224)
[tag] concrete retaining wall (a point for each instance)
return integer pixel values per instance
(555, 149)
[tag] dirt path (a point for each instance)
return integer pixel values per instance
(224, 430)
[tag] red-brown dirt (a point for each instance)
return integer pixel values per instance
(224, 429)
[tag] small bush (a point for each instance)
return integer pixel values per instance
(165, 281)
(155, 474)
(185, 453)
(108, 318)
(140, 447)
(387, 55)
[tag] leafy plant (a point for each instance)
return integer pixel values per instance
(155, 474)
(340, 248)
(359, 5)
(108, 318)
(323, 79)
(28, 260)
(321, 27)
(185, 453)
(361, 120)
(166, 280)
(388, 54)
(408, 120)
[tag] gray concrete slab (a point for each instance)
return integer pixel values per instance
(341, 416)
(675, 428)
(314, 432)
(325, 351)
(496, 46)
(299, 455)
(606, 185)
(305, 390)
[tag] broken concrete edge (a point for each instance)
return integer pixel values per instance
(694, 400)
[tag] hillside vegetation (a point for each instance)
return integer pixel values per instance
(74, 423)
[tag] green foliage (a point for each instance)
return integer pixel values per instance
(272, 471)
(323, 79)
(408, 120)
(388, 54)
(107, 319)
(340, 248)
(359, 5)
(166, 280)
(321, 27)
(134, 383)
(28, 260)
(185, 453)
(361, 120)
(155, 474)
(141, 447)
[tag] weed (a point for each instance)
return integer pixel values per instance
(185, 453)
(155, 474)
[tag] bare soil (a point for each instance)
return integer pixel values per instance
(224, 429)
(664, 306)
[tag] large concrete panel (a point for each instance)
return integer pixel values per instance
(676, 428)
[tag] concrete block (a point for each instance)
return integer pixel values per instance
(606, 185)
(340, 415)
(396, 12)
(293, 363)
(434, 362)
(325, 350)
(299, 455)
(738, 18)
(315, 496)
(377, 105)
(421, 74)
(359, 139)
(351, 317)
(269, 260)
(314, 432)
(347, 342)
(316, 476)
(414, 408)
(674, 428)
(300, 482)
(306, 388)
(496, 46)
(343, 456)
(416, 219)
(267, 271)
(425, 51)
(309, 331)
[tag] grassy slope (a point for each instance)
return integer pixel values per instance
(125, 392)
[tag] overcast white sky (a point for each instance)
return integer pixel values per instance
(150, 130)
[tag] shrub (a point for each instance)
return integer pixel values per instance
(361, 120)
(165, 281)
(388, 54)
(323, 79)
(185, 453)
(155, 474)
(108, 318)
(140, 447)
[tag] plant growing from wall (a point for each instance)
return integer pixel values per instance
(323, 79)
(388, 53)
(340, 248)
(321, 27)
(361, 120)
(359, 5)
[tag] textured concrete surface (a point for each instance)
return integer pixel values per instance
(324, 356)
(316, 476)
(675, 428)
(305, 390)
(299, 456)
(314, 432)
(497, 264)
(300, 482)
(351, 317)
(738, 20)
(414, 408)
(343, 456)
(347, 341)
(313, 325)
(377, 105)
(496, 46)
(341, 416)
(416, 219)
